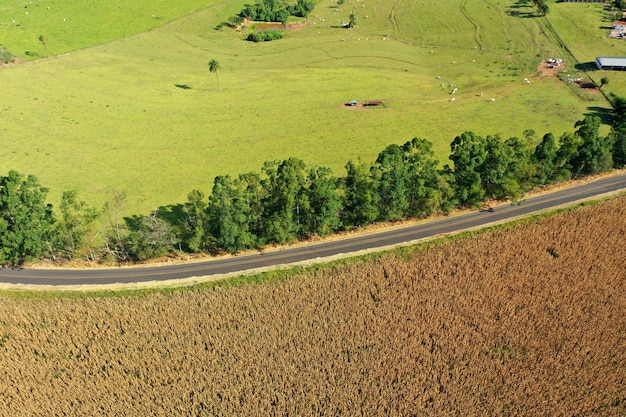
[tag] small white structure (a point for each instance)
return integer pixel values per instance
(611, 63)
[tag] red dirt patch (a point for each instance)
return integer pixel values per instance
(547, 69)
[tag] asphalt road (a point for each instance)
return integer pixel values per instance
(380, 240)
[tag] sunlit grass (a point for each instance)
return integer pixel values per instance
(585, 28)
(143, 115)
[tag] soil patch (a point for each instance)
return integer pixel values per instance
(16, 61)
(551, 70)
(547, 69)
(261, 26)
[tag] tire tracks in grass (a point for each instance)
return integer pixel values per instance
(526, 27)
(477, 38)
(393, 20)
(368, 59)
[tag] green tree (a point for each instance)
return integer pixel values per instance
(195, 226)
(604, 81)
(302, 8)
(542, 7)
(391, 175)
(522, 167)
(254, 194)
(285, 204)
(495, 170)
(424, 188)
(566, 156)
(283, 18)
(215, 67)
(360, 199)
(545, 157)
(229, 215)
(618, 131)
(352, 18)
(25, 219)
(235, 21)
(72, 228)
(618, 139)
(594, 152)
(324, 202)
(468, 154)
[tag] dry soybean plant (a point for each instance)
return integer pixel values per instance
(527, 320)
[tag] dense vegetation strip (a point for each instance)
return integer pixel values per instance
(288, 201)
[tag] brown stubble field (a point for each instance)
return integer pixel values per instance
(522, 321)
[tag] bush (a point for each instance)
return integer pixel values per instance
(302, 8)
(265, 36)
(5, 56)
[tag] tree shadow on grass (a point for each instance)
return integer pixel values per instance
(586, 66)
(605, 115)
(515, 9)
(172, 214)
(523, 15)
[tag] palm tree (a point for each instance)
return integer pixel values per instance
(214, 66)
(604, 81)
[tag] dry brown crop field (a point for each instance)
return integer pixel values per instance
(522, 321)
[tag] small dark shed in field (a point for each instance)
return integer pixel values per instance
(374, 103)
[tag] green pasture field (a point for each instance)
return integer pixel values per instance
(584, 27)
(143, 115)
(69, 25)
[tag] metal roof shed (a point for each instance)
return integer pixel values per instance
(611, 63)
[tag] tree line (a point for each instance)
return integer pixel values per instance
(288, 201)
(276, 10)
(269, 11)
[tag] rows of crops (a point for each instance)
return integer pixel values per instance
(522, 321)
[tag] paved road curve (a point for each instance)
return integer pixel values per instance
(311, 252)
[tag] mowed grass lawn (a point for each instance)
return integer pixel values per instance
(143, 115)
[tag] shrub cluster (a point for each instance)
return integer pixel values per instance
(5, 56)
(265, 36)
(524, 321)
(288, 201)
(276, 10)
